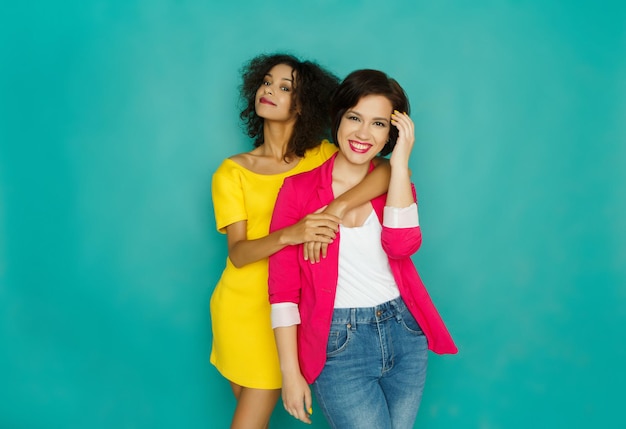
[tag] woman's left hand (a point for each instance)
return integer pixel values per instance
(297, 398)
(406, 138)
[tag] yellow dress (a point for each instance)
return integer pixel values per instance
(243, 348)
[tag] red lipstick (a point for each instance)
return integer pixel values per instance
(359, 147)
(264, 100)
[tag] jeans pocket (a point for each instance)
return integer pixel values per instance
(410, 324)
(337, 339)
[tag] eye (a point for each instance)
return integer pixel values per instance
(380, 124)
(285, 88)
(266, 83)
(352, 118)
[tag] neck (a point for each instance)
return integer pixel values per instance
(276, 137)
(347, 175)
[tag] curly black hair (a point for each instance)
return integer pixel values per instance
(312, 90)
(364, 82)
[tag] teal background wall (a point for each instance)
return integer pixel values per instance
(114, 115)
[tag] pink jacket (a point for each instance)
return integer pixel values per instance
(313, 286)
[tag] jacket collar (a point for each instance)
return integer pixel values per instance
(325, 184)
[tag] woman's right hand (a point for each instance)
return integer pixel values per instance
(296, 395)
(318, 227)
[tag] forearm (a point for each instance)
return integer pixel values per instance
(296, 393)
(400, 193)
(287, 346)
(245, 252)
(374, 184)
(313, 227)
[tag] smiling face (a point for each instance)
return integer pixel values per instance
(274, 97)
(364, 129)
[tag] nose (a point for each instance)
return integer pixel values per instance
(268, 89)
(363, 131)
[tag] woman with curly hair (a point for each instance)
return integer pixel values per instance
(286, 114)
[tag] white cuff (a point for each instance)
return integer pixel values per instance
(405, 217)
(285, 314)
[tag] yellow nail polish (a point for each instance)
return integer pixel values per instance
(310, 411)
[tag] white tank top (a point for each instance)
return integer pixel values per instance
(365, 278)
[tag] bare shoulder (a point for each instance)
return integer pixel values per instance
(245, 159)
(259, 163)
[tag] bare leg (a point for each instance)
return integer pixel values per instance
(236, 389)
(254, 407)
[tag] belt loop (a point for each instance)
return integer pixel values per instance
(353, 318)
(397, 304)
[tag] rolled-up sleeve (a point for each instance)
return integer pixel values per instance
(285, 314)
(406, 217)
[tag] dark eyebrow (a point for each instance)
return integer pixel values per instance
(375, 119)
(270, 75)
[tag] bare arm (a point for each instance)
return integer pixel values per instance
(242, 251)
(400, 193)
(296, 392)
(374, 184)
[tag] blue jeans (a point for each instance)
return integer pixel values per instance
(375, 368)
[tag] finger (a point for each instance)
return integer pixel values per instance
(308, 402)
(325, 231)
(327, 217)
(331, 224)
(317, 248)
(288, 410)
(330, 216)
(314, 256)
(317, 238)
(324, 247)
(320, 226)
(405, 131)
(302, 415)
(405, 127)
(322, 229)
(402, 120)
(305, 251)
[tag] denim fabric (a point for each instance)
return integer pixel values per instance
(375, 368)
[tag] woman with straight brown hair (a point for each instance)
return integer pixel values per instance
(358, 325)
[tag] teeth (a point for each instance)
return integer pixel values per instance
(360, 146)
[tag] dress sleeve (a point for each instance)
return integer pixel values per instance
(227, 192)
(284, 266)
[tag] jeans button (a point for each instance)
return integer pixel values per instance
(378, 313)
